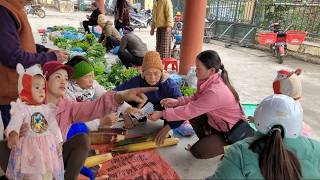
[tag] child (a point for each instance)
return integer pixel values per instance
(38, 154)
(83, 87)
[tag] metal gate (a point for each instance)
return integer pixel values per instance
(238, 20)
(231, 21)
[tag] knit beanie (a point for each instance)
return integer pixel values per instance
(25, 82)
(152, 59)
(288, 83)
(81, 69)
(81, 66)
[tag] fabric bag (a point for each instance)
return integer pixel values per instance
(239, 131)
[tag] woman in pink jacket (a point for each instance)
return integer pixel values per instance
(75, 149)
(213, 110)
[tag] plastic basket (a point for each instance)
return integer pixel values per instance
(267, 38)
(295, 37)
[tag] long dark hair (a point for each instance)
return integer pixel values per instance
(275, 161)
(211, 59)
(122, 8)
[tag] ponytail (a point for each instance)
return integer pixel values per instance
(225, 78)
(275, 161)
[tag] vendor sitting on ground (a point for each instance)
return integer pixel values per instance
(132, 48)
(153, 75)
(92, 19)
(213, 110)
(110, 37)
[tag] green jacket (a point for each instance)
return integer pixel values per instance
(240, 162)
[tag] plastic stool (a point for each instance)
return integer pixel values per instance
(167, 61)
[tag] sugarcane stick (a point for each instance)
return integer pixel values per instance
(98, 159)
(102, 138)
(107, 129)
(146, 145)
(136, 140)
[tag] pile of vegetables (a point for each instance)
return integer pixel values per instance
(187, 91)
(87, 44)
(117, 75)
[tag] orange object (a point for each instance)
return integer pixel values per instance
(295, 37)
(192, 34)
(267, 38)
(41, 30)
(167, 61)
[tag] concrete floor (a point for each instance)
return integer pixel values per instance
(251, 72)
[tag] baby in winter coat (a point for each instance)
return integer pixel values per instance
(38, 154)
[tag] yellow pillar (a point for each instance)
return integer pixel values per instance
(192, 34)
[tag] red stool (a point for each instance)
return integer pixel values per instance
(174, 63)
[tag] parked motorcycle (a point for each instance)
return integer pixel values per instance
(142, 19)
(279, 39)
(36, 9)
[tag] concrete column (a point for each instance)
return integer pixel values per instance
(192, 34)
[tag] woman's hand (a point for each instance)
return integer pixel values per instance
(13, 139)
(134, 94)
(169, 102)
(156, 115)
(109, 119)
(162, 135)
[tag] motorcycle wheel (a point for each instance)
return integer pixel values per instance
(279, 57)
(40, 12)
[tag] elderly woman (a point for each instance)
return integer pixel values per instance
(75, 149)
(153, 75)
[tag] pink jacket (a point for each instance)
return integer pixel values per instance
(68, 111)
(215, 99)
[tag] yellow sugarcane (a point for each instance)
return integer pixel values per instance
(98, 159)
(147, 145)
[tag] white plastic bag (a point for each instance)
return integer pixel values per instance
(192, 78)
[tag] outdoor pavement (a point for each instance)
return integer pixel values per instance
(251, 72)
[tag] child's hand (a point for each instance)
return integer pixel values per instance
(13, 139)
(109, 119)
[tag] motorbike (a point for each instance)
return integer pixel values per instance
(36, 9)
(279, 39)
(142, 19)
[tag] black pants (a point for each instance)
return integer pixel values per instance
(128, 60)
(75, 152)
(86, 25)
(5, 114)
(111, 43)
(211, 142)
